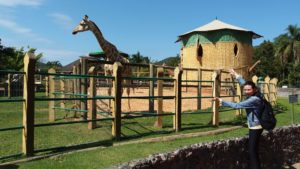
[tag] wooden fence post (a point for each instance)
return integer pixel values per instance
(47, 86)
(117, 90)
(62, 91)
(78, 85)
(177, 88)
(238, 112)
(199, 92)
(28, 105)
(273, 91)
(151, 88)
(158, 122)
(254, 79)
(51, 88)
(92, 104)
(83, 81)
(74, 84)
(216, 93)
(267, 88)
(9, 91)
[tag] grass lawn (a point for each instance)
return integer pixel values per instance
(132, 129)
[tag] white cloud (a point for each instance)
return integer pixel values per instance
(63, 56)
(13, 26)
(26, 32)
(12, 3)
(61, 19)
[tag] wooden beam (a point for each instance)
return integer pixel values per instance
(28, 105)
(92, 103)
(117, 91)
(216, 77)
(158, 122)
(178, 105)
(51, 103)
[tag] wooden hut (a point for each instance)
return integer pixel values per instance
(217, 45)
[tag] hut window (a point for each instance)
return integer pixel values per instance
(235, 50)
(199, 51)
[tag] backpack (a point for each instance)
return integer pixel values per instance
(267, 117)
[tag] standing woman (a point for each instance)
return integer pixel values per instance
(253, 106)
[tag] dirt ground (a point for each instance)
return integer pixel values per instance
(137, 105)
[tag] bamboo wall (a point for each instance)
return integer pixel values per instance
(218, 55)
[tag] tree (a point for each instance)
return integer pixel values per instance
(287, 47)
(54, 64)
(12, 58)
(269, 63)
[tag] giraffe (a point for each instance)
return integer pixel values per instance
(110, 50)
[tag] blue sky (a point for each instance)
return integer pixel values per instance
(148, 26)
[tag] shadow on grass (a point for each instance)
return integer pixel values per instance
(105, 143)
(9, 166)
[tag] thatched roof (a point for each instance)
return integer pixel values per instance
(218, 25)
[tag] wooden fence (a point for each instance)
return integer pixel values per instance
(269, 90)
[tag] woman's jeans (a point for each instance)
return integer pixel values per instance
(254, 136)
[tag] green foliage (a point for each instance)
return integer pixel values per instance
(170, 61)
(12, 58)
(138, 58)
(269, 64)
(53, 64)
(281, 58)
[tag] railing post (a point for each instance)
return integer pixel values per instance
(83, 81)
(151, 88)
(47, 86)
(177, 88)
(199, 92)
(216, 93)
(92, 102)
(51, 88)
(238, 112)
(254, 79)
(267, 88)
(62, 91)
(9, 91)
(117, 90)
(28, 105)
(273, 91)
(160, 73)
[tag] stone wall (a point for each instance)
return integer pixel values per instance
(277, 149)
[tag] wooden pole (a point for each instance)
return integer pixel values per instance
(92, 104)
(199, 92)
(117, 90)
(51, 103)
(78, 84)
(238, 112)
(9, 91)
(216, 93)
(28, 105)
(160, 73)
(62, 90)
(83, 103)
(74, 84)
(47, 86)
(151, 88)
(267, 88)
(177, 90)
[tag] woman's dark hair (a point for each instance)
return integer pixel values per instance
(253, 85)
(250, 83)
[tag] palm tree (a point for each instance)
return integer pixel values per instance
(293, 46)
(288, 48)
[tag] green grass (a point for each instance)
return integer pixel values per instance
(132, 129)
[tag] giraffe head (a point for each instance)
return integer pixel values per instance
(82, 26)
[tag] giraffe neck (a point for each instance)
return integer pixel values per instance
(109, 49)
